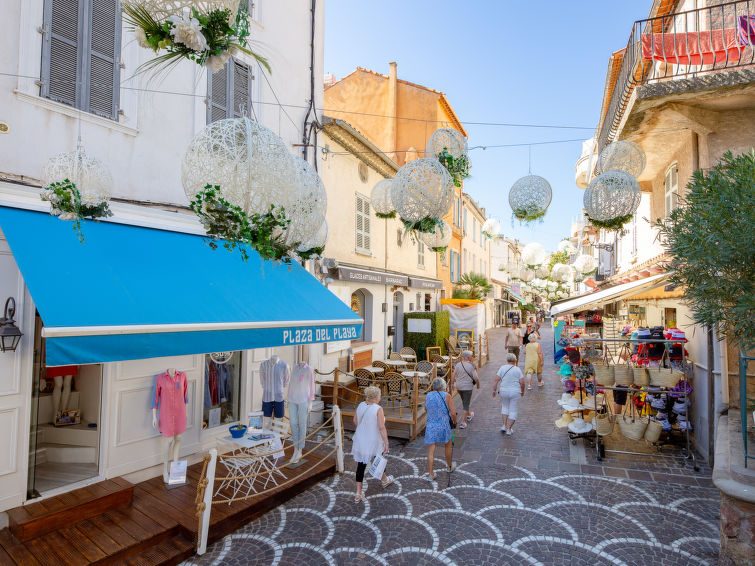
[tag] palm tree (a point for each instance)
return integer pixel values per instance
(472, 286)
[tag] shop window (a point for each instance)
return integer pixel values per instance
(222, 384)
(672, 189)
(357, 305)
(362, 224)
(428, 302)
(81, 55)
(229, 92)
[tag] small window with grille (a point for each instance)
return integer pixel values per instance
(81, 55)
(362, 225)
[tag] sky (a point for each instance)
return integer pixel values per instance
(498, 61)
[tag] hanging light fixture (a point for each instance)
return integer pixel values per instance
(530, 196)
(10, 335)
(491, 227)
(422, 188)
(307, 206)
(534, 254)
(90, 175)
(612, 195)
(380, 199)
(565, 246)
(560, 272)
(585, 264)
(622, 155)
(448, 139)
(439, 239)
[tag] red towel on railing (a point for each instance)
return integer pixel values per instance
(692, 48)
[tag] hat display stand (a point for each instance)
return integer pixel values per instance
(578, 418)
(668, 387)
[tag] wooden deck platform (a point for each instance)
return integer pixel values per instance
(115, 522)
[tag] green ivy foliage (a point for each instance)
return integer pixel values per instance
(711, 239)
(458, 167)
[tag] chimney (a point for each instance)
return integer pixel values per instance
(393, 112)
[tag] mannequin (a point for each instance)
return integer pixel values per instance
(301, 392)
(274, 377)
(62, 377)
(171, 398)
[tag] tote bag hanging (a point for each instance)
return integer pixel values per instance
(378, 466)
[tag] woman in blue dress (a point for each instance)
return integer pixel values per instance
(439, 407)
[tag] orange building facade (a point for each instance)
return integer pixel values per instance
(399, 117)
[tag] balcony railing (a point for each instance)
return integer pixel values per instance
(681, 45)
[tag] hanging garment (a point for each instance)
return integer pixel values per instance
(302, 386)
(692, 48)
(274, 378)
(746, 30)
(213, 382)
(171, 398)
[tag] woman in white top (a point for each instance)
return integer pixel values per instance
(370, 437)
(509, 384)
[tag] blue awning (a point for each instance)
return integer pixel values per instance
(130, 293)
(516, 296)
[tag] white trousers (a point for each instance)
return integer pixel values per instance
(509, 401)
(298, 413)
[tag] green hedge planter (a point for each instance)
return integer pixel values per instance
(440, 327)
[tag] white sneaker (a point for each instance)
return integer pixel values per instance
(509, 432)
(504, 429)
(451, 468)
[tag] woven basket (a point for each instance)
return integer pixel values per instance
(604, 424)
(623, 375)
(604, 375)
(664, 377)
(640, 376)
(633, 428)
(653, 431)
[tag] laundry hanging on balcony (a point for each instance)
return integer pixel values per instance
(746, 30)
(694, 47)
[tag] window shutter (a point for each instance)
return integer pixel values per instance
(217, 91)
(366, 212)
(362, 224)
(61, 68)
(103, 58)
(242, 77)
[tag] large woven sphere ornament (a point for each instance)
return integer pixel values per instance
(453, 141)
(585, 264)
(380, 198)
(491, 227)
(317, 241)
(90, 175)
(162, 9)
(250, 163)
(307, 209)
(422, 188)
(622, 155)
(534, 254)
(526, 275)
(439, 239)
(612, 195)
(530, 197)
(560, 272)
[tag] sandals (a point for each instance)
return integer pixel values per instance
(470, 417)
(359, 498)
(388, 481)
(463, 425)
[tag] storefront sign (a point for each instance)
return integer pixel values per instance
(293, 336)
(516, 288)
(376, 277)
(425, 283)
(339, 346)
(423, 325)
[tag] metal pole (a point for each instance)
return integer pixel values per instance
(743, 400)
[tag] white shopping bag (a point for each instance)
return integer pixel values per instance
(378, 467)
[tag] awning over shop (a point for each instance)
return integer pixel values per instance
(516, 296)
(425, 283)
(594, 299)
(129, 292)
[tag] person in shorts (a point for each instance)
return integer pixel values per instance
(465, 379)
(513, 340)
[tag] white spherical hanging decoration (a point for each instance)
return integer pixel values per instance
(491, 227)
(534, 254)
(551, 286)
(90, 175)
(612, 195)
(453, 141)
(251, 164)
(542, 271)
(530, 197)
(380, 197)
(527, 275)
(438, 239)
(560, 272)
(585, 263)
(565, 246)
(307, 206)
(622, 155)
(317, 241)
(422, 188)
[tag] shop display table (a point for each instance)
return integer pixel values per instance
(250, 457)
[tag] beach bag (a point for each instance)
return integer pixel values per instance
(604, 424)
(640, 376)
(377, 468)
(604, 375)
(653, 431)
(632, 425)
(623, 375)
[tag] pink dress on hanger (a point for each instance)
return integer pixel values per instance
(171, 398)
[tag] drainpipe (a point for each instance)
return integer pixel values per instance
(393, 111)
(309, 128)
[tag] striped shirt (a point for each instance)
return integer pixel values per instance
(274, 378)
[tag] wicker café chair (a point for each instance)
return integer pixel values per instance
(396, 356)
(364, 378)
(383, 365)
(452, 341)
(396, 389)
(407, 351)
(452, 350)
(440, 363)
(426, 367)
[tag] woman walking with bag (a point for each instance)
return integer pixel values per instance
(465, 379)
(533, 360)
(370, 437)
(441, 415)
(509, 384)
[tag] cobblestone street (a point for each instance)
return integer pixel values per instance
(530, 498)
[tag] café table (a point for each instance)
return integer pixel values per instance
(374, 369)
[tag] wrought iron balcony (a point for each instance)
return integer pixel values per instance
(681, 45)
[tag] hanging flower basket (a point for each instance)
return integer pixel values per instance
(66, 203)
(458, 167)
(225, 221)
(612, 225)
(206, 32)
(530, 197)
(439, 238)
(380, 199)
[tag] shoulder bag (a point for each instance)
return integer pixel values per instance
(451, 422)
(474, 381)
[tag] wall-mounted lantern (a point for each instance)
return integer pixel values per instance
(10, 335)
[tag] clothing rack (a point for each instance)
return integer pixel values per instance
(686, 449)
